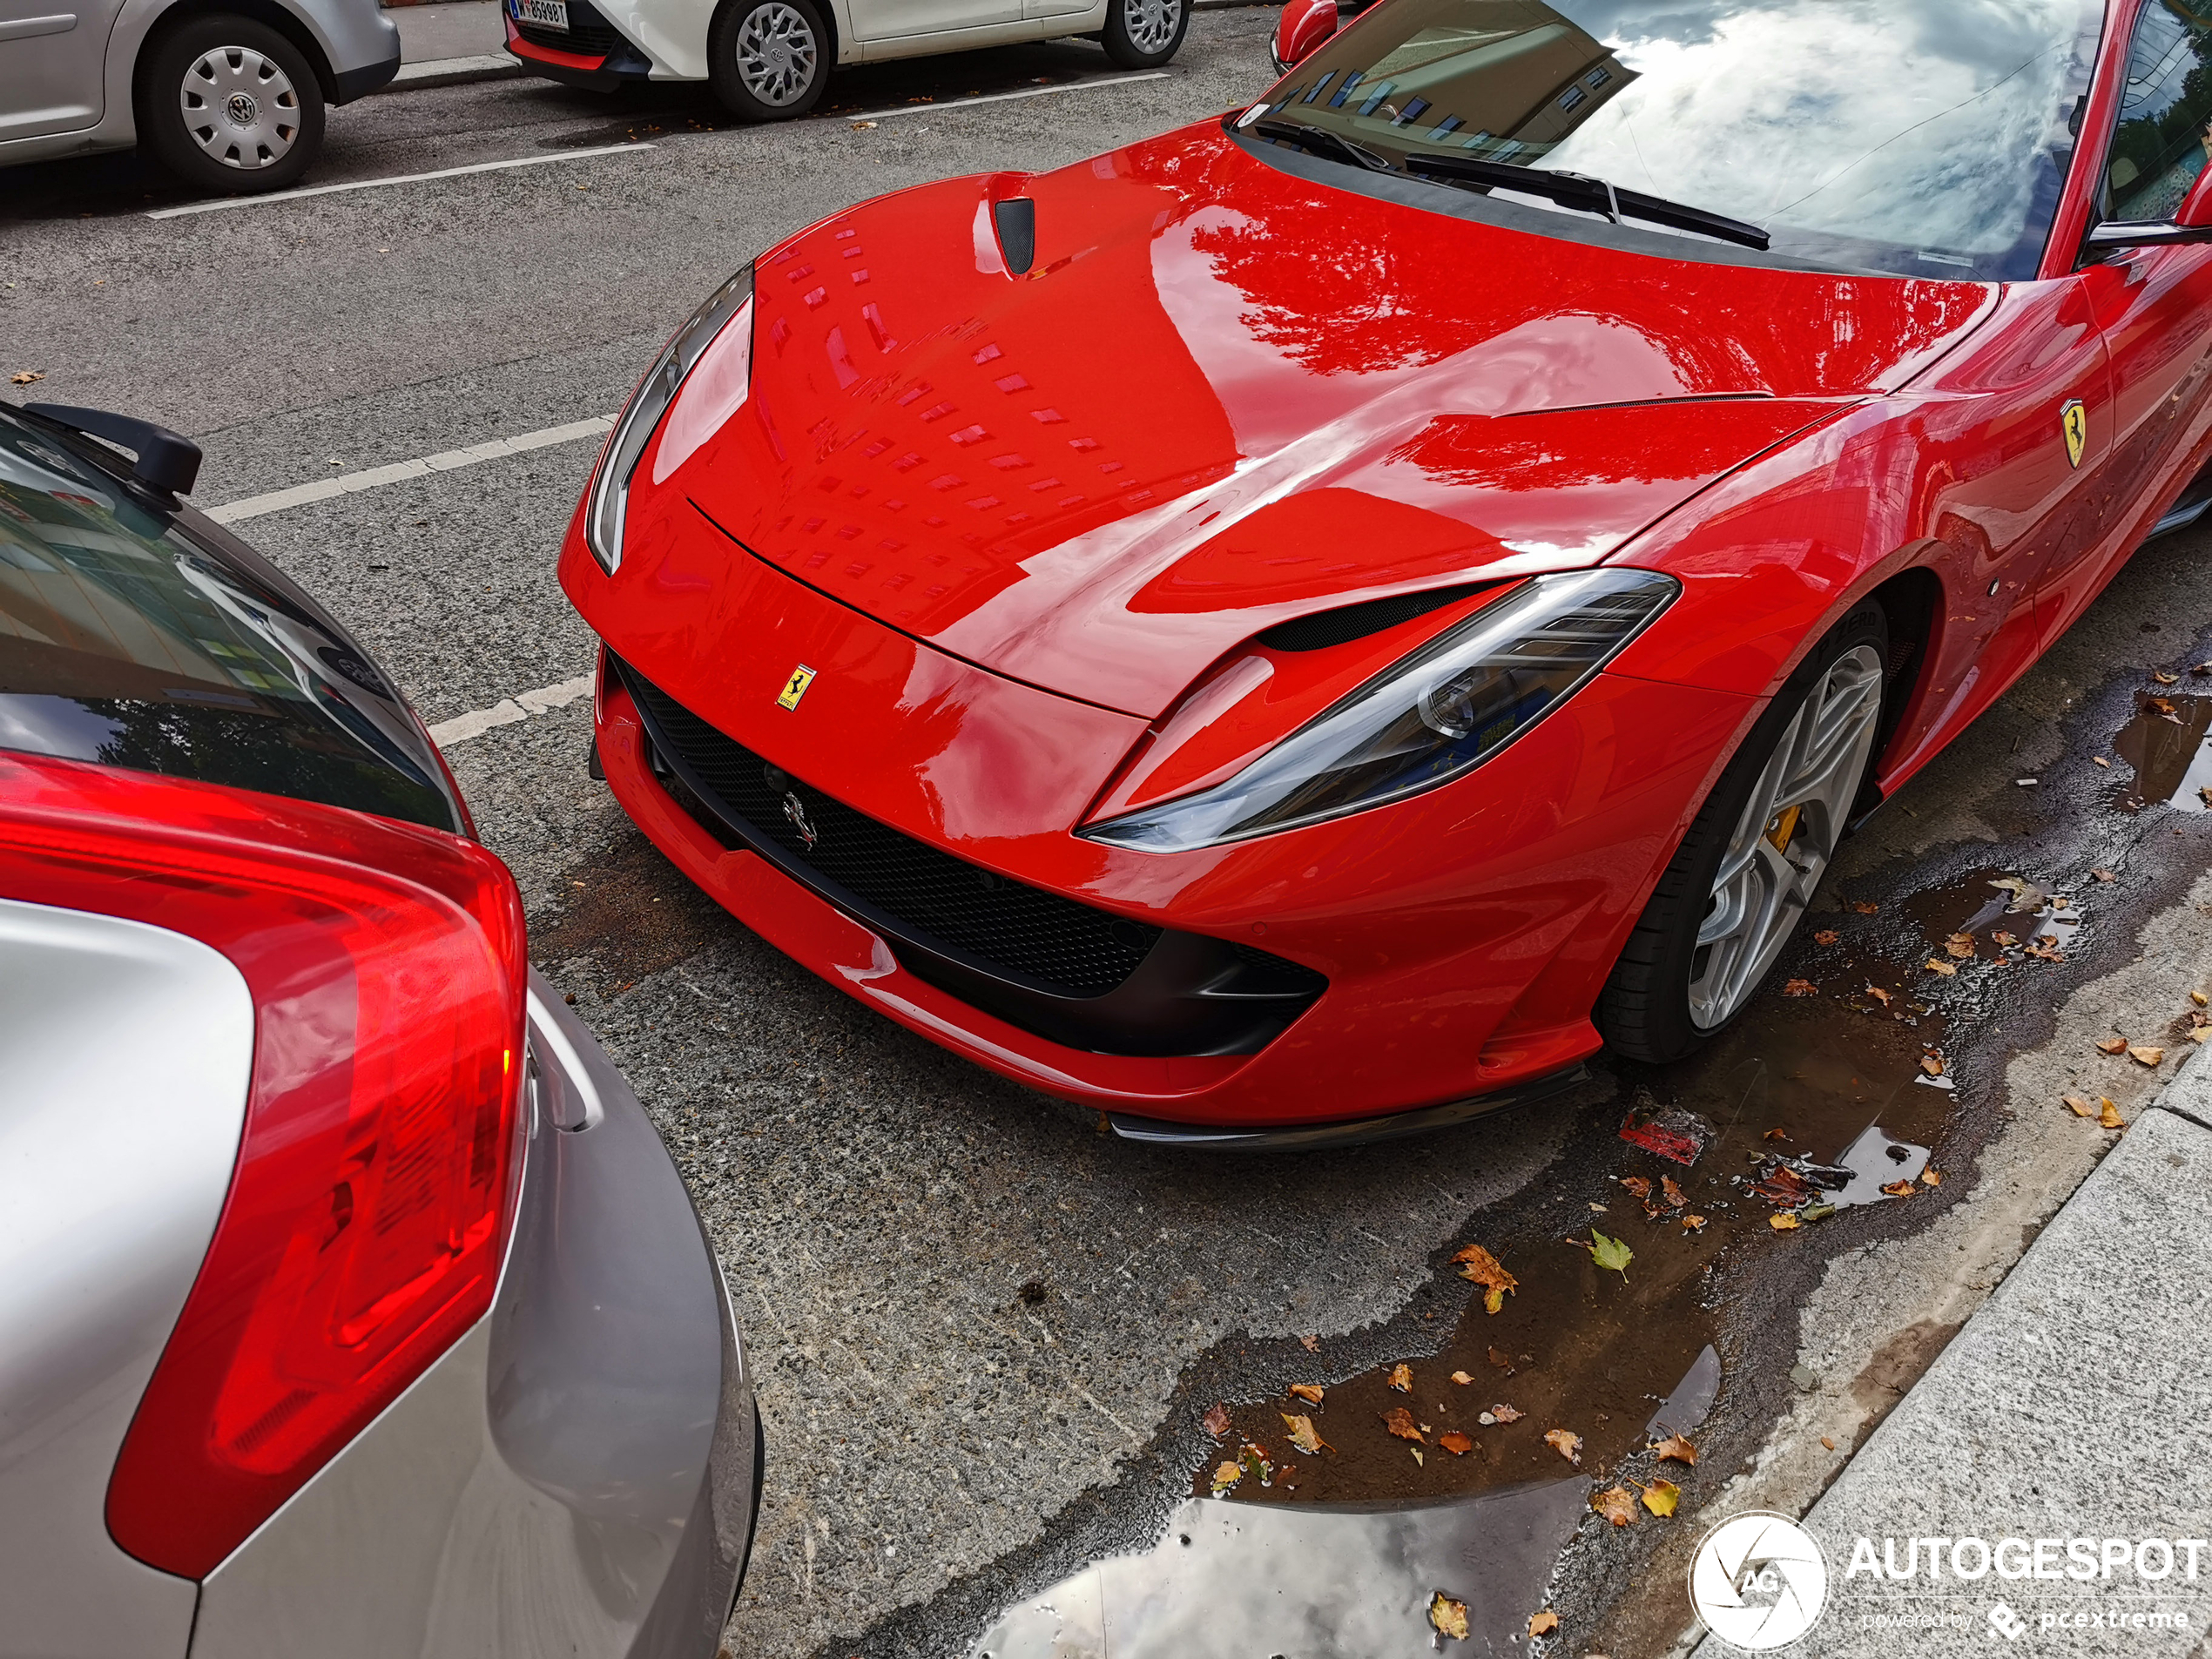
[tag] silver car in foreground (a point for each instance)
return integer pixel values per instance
(349, 1302)
(226, 94)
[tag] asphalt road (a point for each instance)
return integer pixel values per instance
(984, 1333)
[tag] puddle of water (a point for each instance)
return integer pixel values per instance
(1240, 1580)
(2165, 744)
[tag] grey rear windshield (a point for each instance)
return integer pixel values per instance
(1927, 138)
(125, 642)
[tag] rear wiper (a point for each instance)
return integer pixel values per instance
(1320, 141)
(1580, 190)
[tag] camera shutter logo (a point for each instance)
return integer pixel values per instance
(1758, 1582)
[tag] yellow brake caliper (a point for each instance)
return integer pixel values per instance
(1782, 826)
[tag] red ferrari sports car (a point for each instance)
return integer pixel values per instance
(1311, 624)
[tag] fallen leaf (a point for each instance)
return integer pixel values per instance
(1542, 1624)
(1800, 987)
(2110, 1117)
(2026, 894)
(1507, 1413)
(1775, 1135)
(1310, 1392)
(1931, 1177)
(1636, 1185)
(2102, 875)
(1661, 1497)
(2078, 1106)
(1256, 1464)
(2144, 1053)
(1567, 1443)
(1676, 1447)
(2162, 676)
(1503, 1361)
(1932, 1062)
(1781, 1224)
(1615, 1504)
(2113, 1045)
(1302, 1434)
(1960, 945)
(2100, 760)
(1610, 1253)
(1901, 1188)
(1827, 1442)
(1227, 1476)
(2001, 938)
(2201, 669)
(1598, 1209)
(1671, 1189)
(1400, 1422)
(1217, 1421)
(1481, 1267)
(1414, 1452)
(2200, 1033)
(1881, 995)
(1312, 1344)
(1456, 1443)
(1401, 1379)
(1461, 1378)
(2200, 999)
(27, 376)
(863, 126)
(2043, 950)
(1864, 908)
(1826, 936)
(1449, 1617)
(1934, 967)
(1693, 1223)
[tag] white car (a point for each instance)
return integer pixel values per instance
(768, 60)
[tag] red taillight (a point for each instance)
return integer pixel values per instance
(364, 1226)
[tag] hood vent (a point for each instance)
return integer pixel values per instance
(1015, 220)
(1346, 623)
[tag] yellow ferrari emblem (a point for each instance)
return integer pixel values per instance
(2073, 421)
(795, 687)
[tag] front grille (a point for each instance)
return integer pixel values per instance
(588, 32)
(1070, 947)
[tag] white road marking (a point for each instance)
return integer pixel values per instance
(399, 471)
(1000, 97)
(510, 711)
(221, 203)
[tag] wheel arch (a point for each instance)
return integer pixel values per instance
(268, 13)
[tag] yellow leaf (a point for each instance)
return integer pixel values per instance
(2078, 1106)
(2110, 1117)
(1567, 1443)
(1932, 1177)
(1677, 1448)
(1661, 1497)
(1480, 1266)
(1960, 945)
(1493, 1299)
(1310, 1392)
(2144, 1053)
(1401, 1379)
(1616, 1505)
(1542, 1624)
(1227, 1476)
(1461, 1378)
(2200, 999)
(2112, 1045)
(1783, 1223)
(1449, 1617)
(1302, 1434)
(1416, 1451)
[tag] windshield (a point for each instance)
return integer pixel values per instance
(1927, 138)
(124, 642)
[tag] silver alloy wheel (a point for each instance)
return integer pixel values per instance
(239, 107)
(776, 54)
(1151, 23)
(1786, 835)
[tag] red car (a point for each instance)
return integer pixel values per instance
(1309, 626)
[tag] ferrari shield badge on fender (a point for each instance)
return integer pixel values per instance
(2073, 421)
(802, 677)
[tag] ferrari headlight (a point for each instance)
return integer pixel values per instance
(1424, 721)
(609, 500)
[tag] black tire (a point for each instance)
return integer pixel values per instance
(1644, 1011)
(786, 51)
(1145, 34)
(260, 96)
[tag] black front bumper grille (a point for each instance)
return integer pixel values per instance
(1048, 963)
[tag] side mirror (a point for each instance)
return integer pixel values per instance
(1300, 31)
(2196, 211)
(2192, 222)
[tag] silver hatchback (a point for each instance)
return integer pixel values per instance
(349, 1302)
(227, 94)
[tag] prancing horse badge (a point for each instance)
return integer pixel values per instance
(802, 677)
(2073, 421)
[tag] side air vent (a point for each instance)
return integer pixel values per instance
(1326, 628)
(1016, 220)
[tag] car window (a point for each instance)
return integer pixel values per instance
(1928, 137)
(124, 642)
(2164, 137)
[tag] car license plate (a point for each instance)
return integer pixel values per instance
(549, 14)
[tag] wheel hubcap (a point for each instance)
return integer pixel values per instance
(1786, 835)
(776, 55)
(241, 108)
(1151, 23)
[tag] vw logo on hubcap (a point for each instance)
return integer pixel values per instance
(242, 109)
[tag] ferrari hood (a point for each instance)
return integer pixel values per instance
(1220, 396)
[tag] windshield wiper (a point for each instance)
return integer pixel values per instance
(1580, 190)
(1320, 141)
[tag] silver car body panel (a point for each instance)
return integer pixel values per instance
(578, 1475)
(129, 1051)
(353, 38)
